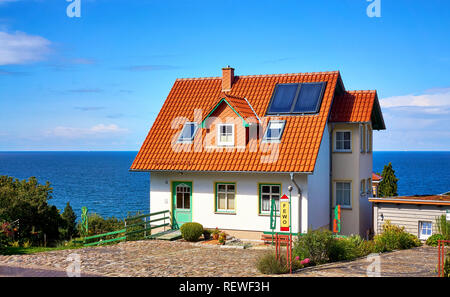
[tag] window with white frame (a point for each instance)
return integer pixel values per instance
(362, 138)
(425, 229)
(267, 194)
(225, 134)
(225, 195)
(344, 194)
(343, 141)
(188, 132)
(274, 130)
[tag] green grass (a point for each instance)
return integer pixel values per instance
(32, 250)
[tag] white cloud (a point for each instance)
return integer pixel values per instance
(100, 130)
(22, 48)
(430, 98)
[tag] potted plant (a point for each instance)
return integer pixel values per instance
(215, 234)
(206, 234)
(222, 238)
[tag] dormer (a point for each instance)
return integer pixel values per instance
(230, 122)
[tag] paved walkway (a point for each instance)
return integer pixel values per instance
(162, 258)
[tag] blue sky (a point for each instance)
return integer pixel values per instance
(97, 82)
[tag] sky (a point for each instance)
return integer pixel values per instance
(98, 81)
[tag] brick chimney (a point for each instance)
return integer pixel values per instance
(227, 78)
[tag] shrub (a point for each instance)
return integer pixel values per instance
(69, 229)
(314, 245)
(443, 226)
(366, 248)
(268, 264)
(433, 239)
(447, 266)
(343, 249)
(191, 231)
(393, 238)
(100, 225)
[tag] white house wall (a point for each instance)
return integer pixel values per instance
(319, 186)
(246, 202)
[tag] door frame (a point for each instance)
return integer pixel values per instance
(172, 202)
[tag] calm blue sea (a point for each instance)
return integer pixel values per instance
(101, 180)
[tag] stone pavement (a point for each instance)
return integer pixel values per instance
(178, 258)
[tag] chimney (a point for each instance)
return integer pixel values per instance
(227, 78)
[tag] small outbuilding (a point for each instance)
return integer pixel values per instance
(416, 213)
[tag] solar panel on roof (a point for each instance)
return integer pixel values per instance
(283, 98)
(294, 98)
(309, 98)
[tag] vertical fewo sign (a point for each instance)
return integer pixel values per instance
(284, 214)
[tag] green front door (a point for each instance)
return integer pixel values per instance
(181, 203)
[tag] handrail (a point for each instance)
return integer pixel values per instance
(146, 226)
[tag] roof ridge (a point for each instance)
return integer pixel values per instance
(264, 75)
(361, 91)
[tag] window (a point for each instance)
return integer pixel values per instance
(425, 229)
(362, 138)
(183, 193)
(225, 195)
(369, 139)
(344, 194)
(369, 186)
(274, 131)
(225, 134)
(362, 189)
(296, 98)
(188, 132)
(267, 194)
(343, 141)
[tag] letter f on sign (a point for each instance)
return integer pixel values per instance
(74, 8)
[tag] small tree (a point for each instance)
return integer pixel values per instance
(70, 224)
(388, 184)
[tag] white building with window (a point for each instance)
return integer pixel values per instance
(416, 213)
(223, 150)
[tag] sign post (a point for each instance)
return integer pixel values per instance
(285, 220)
(337, 219)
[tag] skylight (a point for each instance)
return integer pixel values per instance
(274, 130)
(296, 98)
(188, 132)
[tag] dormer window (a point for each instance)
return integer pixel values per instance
(225, 134)
(274, 131)
(188, 132)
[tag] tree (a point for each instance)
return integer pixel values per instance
(388, 184)
(27, 200)
(70, 225)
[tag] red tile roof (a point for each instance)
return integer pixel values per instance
(297, 151)
(356, 106)
(376, 177)
(418, 199)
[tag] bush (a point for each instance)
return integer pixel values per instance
(99, 225)
(268, 264)
(443, 226)
(447, 266)
(207, 234)
(394, 238)
(191, 231)
(343, 249)
(314, 245)
(433, 239)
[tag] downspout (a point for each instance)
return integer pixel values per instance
(299, 191)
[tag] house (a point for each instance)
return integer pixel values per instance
(223, 148)
(376, 179)
(416, 213)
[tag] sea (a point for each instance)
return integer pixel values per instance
(102, 182)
